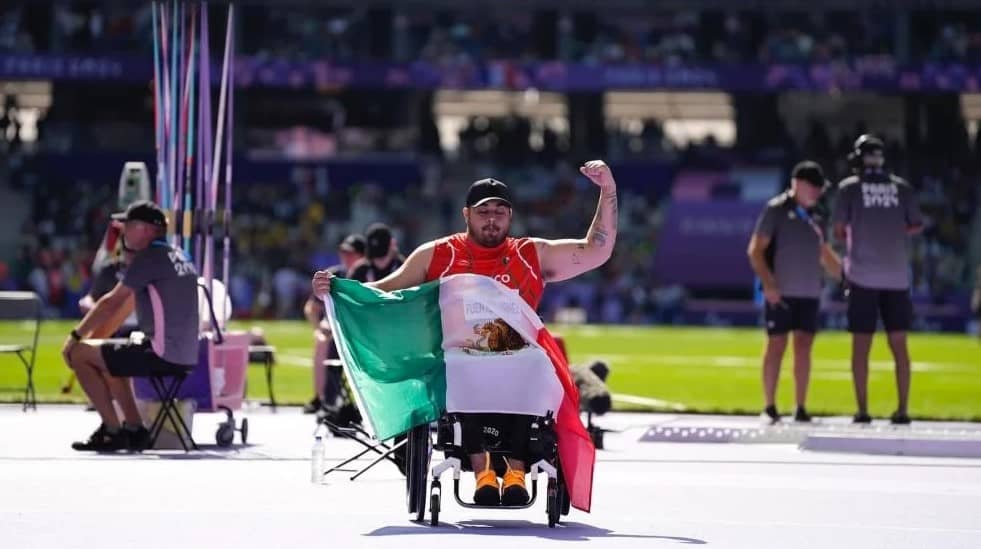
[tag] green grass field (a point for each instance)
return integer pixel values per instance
(702, 369)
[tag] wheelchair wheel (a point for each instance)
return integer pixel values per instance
(418, 466)
(434, 493)
(552, 505)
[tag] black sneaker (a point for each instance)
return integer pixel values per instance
(514, 492)
(862, 417)
(488, 492)
(103, 441)
(801, 415)
(138, 440)
(899, 418)
(313, 406)
(771, 415)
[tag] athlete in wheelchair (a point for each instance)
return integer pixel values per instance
(495, 446)
(522, 266)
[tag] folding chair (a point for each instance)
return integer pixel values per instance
(338, 384)
(167, 385)
(23, 306)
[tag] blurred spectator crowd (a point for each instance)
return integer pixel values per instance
(283, 230)
(465, 35)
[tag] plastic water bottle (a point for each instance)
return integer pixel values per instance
(317, 461)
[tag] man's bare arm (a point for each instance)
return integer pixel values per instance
(757, 259)
(313, 310)
(831, 262)
(840, 232)
(105, 309)
(567, 258)
(411, 273)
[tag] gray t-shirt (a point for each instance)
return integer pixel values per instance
(877, 209)
(794, 253)
(165, 283)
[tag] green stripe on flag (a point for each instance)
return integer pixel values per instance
(391, 346)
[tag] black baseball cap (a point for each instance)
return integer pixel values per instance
(379, 240)
(145, 211)
(354, 243)
(867, 143)
(486, 190)
(810, 172)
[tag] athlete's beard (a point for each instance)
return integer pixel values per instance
(488, 236)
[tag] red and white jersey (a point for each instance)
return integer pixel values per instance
(513, 263)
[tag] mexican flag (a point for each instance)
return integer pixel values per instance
(464, 343)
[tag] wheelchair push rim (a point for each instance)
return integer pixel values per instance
(419, 450)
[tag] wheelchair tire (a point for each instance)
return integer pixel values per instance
(434, 510)
(435, 490)
(552, 504)
(418, 456)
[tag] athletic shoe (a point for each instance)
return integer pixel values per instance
(139, 439)
(899, 418)
(862, 417)
(514, 491)
(487, 492)
(801, 415)
(312, 407)
(770, 415)
(103, 441)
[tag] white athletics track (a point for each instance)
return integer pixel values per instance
(647, 494)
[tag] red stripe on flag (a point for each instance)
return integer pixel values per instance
(576, 451)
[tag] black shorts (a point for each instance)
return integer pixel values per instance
(865, 305)
(792, 314)
(497, 432)
(136, 360)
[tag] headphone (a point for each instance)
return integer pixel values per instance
(865, 143)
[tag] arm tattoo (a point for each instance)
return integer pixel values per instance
(599, 232)
(611, 201)
(599, 237)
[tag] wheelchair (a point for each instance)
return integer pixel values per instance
(542, 450)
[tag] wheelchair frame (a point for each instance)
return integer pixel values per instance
(420, 447)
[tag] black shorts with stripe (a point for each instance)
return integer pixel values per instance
(792, 314)
(129, 359)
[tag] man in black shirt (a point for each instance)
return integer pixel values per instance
(787, 251)
(382, 255)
